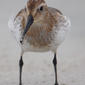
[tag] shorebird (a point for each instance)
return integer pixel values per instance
(39, 28)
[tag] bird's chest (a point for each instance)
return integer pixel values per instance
(39, 37)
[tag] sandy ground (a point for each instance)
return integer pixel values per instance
(38, 68)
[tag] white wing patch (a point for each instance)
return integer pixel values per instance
(15, 27)
(62, 28)
(60, 31)
(64, 22)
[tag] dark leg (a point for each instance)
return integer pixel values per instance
(20, 70)
(55, 68)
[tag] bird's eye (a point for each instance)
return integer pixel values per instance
(41, 8)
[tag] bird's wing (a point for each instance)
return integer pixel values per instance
(63, 22)
(54, 11)
(61, 27)
(15, 25)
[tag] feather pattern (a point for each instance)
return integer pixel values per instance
(41, 37)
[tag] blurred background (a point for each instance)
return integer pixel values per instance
(38, 68)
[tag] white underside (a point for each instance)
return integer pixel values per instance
(59, 31)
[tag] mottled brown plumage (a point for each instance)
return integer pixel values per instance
(46, 32)
(44, 27)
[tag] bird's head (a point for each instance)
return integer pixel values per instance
(36, 11)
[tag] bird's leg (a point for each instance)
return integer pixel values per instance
(55, 68)
(20, 70)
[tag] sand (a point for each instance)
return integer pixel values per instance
(38, 67)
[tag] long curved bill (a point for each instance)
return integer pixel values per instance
(30, 21)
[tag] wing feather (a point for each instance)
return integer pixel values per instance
(15, 26)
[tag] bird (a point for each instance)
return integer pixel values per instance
(39, 28)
